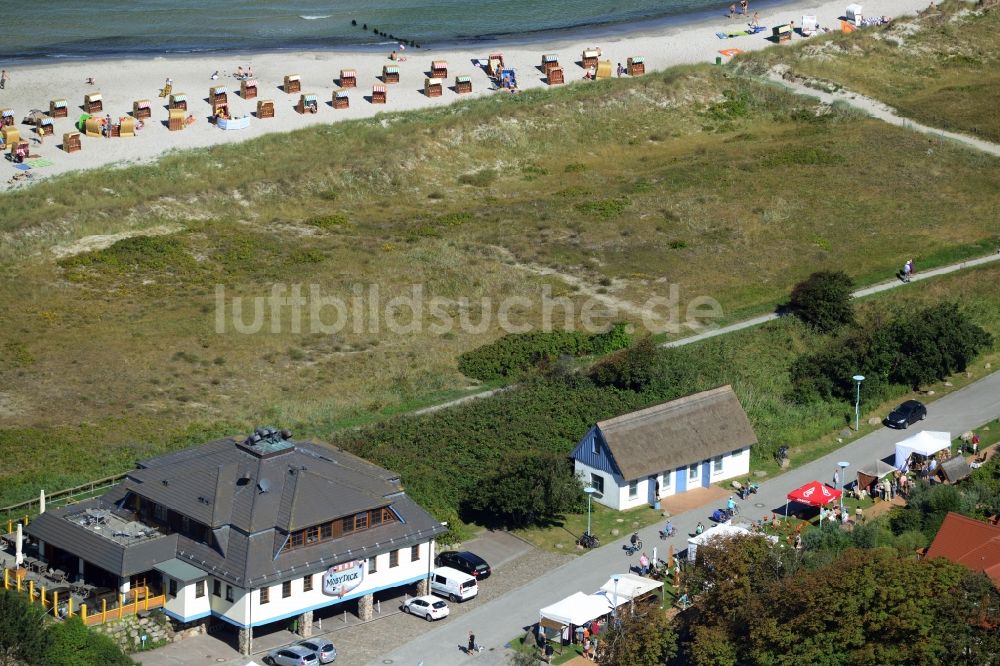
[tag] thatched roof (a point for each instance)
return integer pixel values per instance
(677, 433)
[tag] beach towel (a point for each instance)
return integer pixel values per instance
(753, 30)
(731, 34)
(729, 53)
(846, 27)
(22, 167)
(40, 162)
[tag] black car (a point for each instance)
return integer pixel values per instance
(465, 561)
(908, 413)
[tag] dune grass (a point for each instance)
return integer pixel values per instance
(939, 68)
(612, 191)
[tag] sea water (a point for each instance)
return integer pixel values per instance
(102, 28)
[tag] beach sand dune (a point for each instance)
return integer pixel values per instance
(123, 81)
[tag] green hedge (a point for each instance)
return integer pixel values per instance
(513, 354)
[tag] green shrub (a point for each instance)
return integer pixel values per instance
(823, 300)
(515, 353)
(481, 178)
(328, 221)
(604, 208)
(138, 254)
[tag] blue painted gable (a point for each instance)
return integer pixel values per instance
(602, 459)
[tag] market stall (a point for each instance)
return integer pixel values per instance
(925, 443)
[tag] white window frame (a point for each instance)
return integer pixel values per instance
(597, 481)
(718, 465)
(666, 478)
(694, 471)
(633, 489)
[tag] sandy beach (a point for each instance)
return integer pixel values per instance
(123, 81)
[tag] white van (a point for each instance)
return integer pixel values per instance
(454, 584)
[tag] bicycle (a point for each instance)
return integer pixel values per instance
(589, 541)
(635, 546)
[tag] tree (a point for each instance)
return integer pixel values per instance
(22, 629)
(642, 636)
(73, 644)
(823, 300)
(530, 489)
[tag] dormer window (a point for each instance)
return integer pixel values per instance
(340, 527)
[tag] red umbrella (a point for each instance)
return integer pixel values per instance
(813, 493)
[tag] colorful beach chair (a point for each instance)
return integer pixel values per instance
(58, 108)
(590, 57)
(293, 84)
(92, 127)
(178, 101)
(248, 88)
(494, 64)
(463, 84)
(555, 76)
(308, 103)
(126, 126)
(636, 66)
(604, 70)
(433, 87)
(390, 74)
(175, 120)
(348, 78)
(340, 99)
(439, 69)
(71, 142)
(218, 94)
(378, 94)
(93, 102)
(142, 109)
(265, 108)
(7, 118)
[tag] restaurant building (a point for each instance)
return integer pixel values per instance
(249, 532)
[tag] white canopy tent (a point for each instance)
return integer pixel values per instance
(576, 609)
(710, 534)
(629, 587)
(925, 443)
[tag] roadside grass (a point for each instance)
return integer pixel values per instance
(938, 68)
(562, 537)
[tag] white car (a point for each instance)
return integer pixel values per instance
(427, 607)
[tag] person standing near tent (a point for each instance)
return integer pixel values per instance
(643, 564)
(836, 478)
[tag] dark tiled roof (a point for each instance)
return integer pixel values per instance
(55, 527)
(678, 433)
(250, 501)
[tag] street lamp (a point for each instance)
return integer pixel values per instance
(590, 490)
(857, 402)
(843, 481)
(614, 610)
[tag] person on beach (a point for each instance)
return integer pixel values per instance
(756, 20)
(249, 71)
(745, 7)
(40, 130)
(239, 73)
(732, 11)
(4, 78)
(215, 75)
(91, 81)
(621, 70)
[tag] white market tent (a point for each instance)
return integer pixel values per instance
(925, 443)
(710, 534)
(576, 609)
(629, 587)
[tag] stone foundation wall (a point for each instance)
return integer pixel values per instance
(128, 631)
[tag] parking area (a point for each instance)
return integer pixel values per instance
(513, 562)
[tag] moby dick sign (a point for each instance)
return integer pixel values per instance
(342, 578)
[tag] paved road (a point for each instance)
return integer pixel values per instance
(498, 621)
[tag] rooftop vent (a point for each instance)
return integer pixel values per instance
(263, 486)
(267, 442)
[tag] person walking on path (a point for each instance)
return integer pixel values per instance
(4, 78)
(836, 479)
(472, 643)
(907, 270)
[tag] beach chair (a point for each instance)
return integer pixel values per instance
(217, 94)
(248, 88)
(590, 57)
(7, 118)
(604, 70)
(636, 66)
(142, 109)
(93, 103)
(10, 134)
(433, 87)
(175, 121)
(378, 94)
(390, 74)
(58, 108)
(781, 33)
(265, 108)
(166, 90)
(549, 61)
(439, 69)
(809, 26)
(71, 142)
(126, 126)
(178, 101)
(293, 84)
(93, 127)
(19, 151)
(348, 78)
(853, 14)
(340, 99)
(494, 64)
(463, 84)
(48, 125)
(308, 103)
(555, 76)
(220, 109)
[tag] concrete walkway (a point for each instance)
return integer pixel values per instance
(502, 619)
(878, 110)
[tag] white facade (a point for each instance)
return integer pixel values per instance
(620, 494)
(290, 599)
